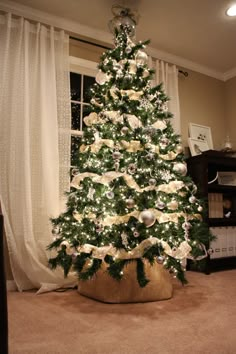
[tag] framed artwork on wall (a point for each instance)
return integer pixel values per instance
(197, 146)
(201, 133)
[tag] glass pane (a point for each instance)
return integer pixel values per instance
(75, 142)
(85, 112)
(88, 82)
(75, 86)
(75, 119)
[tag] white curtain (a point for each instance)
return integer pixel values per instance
(34, 143)
(168, 75)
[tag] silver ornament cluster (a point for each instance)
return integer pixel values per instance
(116, 156)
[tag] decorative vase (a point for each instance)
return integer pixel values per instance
(104, 288)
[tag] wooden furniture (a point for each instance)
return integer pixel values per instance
(3, 297)
(221, 204)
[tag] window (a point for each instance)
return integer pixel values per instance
(82, 77)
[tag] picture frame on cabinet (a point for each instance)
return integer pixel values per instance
(197, 146)
(201, 133)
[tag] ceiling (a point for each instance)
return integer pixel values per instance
(195, 30)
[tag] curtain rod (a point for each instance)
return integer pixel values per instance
(185, 73)
(89, 42)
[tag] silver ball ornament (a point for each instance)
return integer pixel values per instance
(136, 233)
(160, 205)
(179, 149)
(200, 208)
(147, 217)
(74, 171)
(124, 130)
(150, 130)
(116, 155)
(130, 203)
(180, 168)
(132, 168)
(141, 57)
(122, 21)
(152, 182)
(192, 199)
(110, 195)
(128, 49)
(56, 230)
(186, 225)
(160, 259)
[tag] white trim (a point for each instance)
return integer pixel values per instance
(79, 29)
(229, 74)
(11, 285)
(77, 133)
(83, 66)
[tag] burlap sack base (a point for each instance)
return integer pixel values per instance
(104, 288)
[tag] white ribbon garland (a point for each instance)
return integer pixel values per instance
(116, 117)
(107, 177)
(121, 219)
(181, 252)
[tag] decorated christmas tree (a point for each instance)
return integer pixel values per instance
(130, 199)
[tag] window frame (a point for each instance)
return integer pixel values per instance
(82, 67)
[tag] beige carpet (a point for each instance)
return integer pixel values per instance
(200, 318)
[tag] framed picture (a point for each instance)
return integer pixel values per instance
(197, 146)
(227, 178)
(201, 133)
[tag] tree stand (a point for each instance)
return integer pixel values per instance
(104, 288)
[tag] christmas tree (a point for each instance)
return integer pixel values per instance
(130, 198)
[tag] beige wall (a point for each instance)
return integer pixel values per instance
(230, 108)
(202, 102)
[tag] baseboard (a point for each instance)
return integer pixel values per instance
(11, 285)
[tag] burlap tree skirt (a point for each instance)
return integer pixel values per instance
(106, 289)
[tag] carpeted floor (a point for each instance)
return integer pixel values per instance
(200, 318)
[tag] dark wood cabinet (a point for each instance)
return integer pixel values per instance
(221, 204)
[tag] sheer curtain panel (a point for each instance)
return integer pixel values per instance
(34, 143)
(168, 75)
